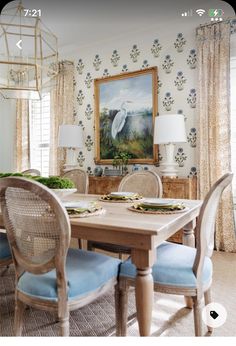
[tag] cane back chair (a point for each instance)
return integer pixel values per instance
(79, 178)
(180, 269)
(147, 184)
(48, 275)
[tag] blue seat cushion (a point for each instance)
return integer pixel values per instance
(174, 263)
(5, 251)
(86, 272)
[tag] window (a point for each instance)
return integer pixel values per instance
(40, 134)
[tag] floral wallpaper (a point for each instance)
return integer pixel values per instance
(175, 58)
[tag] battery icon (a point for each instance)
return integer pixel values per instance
(215, 12)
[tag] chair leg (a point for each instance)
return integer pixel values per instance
(18, 321)
(208, 300)
(90, 246)
(64, 324)
(79, 243)
(188, 302)
(197, 311)
(121, 256)
(121, 305)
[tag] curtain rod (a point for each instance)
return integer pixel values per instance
(222, 21)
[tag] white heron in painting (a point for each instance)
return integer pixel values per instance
(119, 120)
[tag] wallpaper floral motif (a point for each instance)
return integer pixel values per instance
(176, 60)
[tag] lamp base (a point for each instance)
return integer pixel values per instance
(71, 157)
(169, 167)
(169, 170)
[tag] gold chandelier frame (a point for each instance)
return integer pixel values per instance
(25, 73)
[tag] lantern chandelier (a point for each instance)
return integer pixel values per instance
(28, 54)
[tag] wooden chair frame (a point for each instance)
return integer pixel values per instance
(204, 244)
(62, 306)
(118, 249)
(131, 176)
(79, 173)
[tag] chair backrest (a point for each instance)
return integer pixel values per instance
(206, 222)
(80, 179)
(146, 183)
(37, 225)
(32, 171)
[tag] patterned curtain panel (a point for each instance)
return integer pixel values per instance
(22, 154)
(62, 106)
(214, 123)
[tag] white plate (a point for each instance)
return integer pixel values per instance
(158, 202)
(122, 194)
(61, 193)
(79, 204)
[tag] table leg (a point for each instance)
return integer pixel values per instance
(144, 300)
(144, 289)
(188, 234)
(189, 240)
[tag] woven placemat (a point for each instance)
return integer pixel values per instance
(87, 214)
(117, 200)
(158, 211)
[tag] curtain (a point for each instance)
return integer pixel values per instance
(213, 43)
(62, 105)
(22, 154)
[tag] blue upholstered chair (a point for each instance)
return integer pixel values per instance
(180, 269)
(48, 275)
(5, 252)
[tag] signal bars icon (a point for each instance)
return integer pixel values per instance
(188, 13)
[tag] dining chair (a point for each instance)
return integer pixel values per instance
(80, 179)
(49, 276)
(180, 269)
(147, 184)
(5, 251)
(32, 171)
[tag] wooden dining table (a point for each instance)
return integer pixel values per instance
(142, 233)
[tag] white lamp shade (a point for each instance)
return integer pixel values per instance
(70, 136)
(169, 128)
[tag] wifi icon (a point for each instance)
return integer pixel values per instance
(200, 12)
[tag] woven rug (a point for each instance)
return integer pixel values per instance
(170, 317)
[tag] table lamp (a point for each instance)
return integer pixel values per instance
(169, 129)
(70, 137)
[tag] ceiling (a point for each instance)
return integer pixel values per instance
(83, 23)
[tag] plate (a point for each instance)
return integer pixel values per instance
(122, 194)
(158, 202)
(79, 204)
(61, 193)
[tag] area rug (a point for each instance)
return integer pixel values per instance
(170, 317)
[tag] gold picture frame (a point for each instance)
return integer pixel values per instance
(125, 110)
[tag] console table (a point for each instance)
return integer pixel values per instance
(103, 185)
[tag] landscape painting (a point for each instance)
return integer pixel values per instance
(125, 109)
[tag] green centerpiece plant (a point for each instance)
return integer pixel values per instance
(50, 182)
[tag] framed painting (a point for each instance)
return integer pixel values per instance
(125, 108)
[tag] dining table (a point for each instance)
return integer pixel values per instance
(142, 233)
